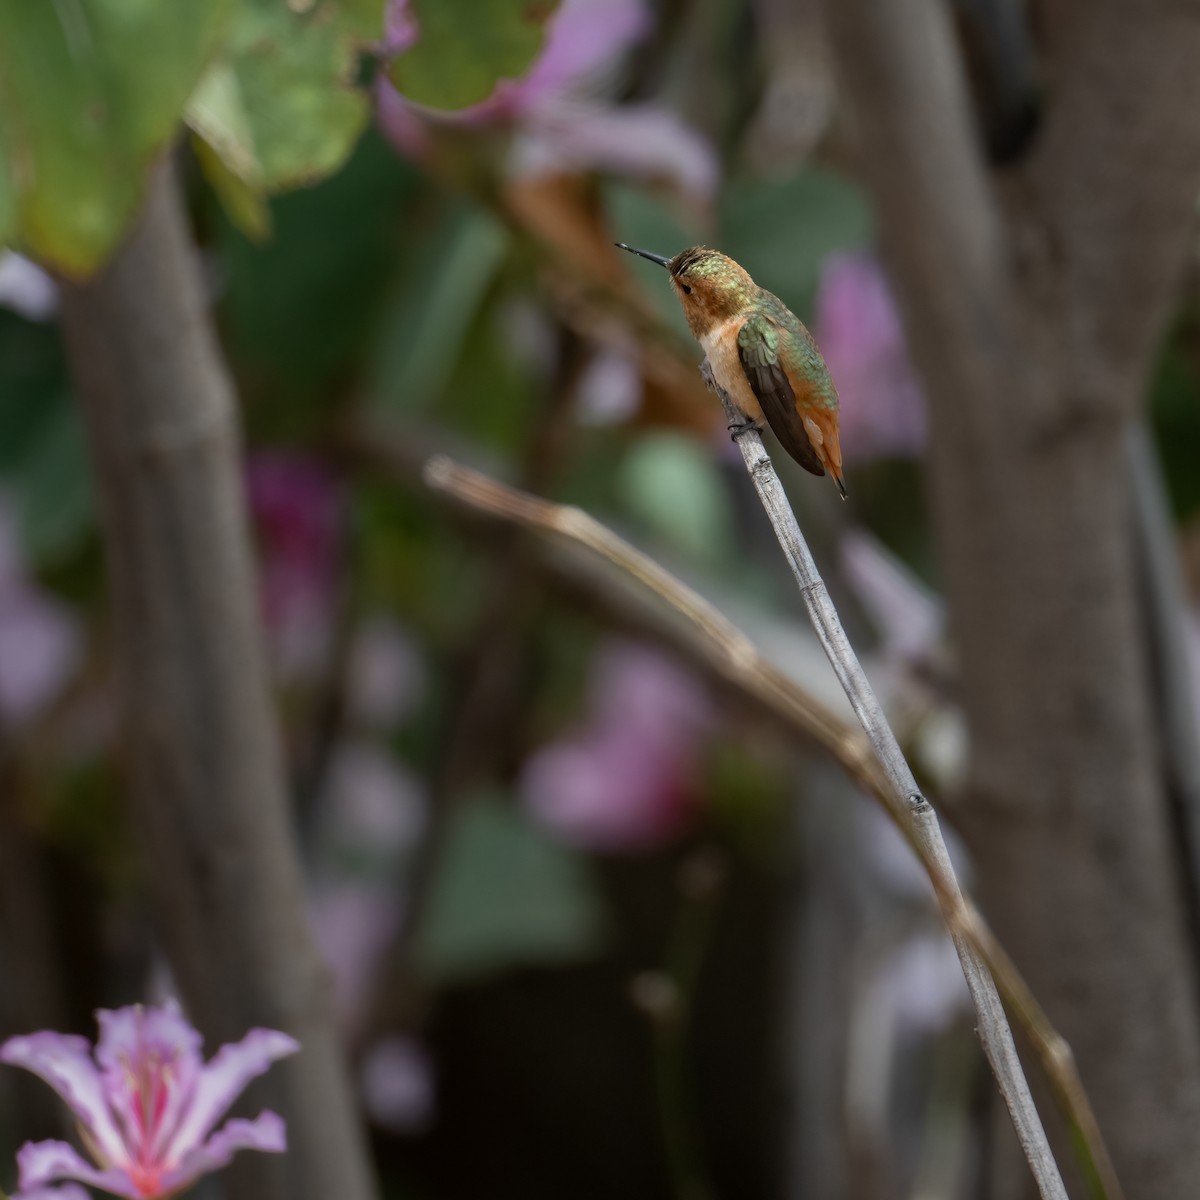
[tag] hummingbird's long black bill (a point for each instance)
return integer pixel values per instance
(654, 258)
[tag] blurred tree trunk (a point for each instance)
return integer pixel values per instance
(207, 776)
(1034, 303)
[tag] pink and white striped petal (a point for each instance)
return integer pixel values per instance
(64, 1061)
(221, 1081)
(158, 1052)
(67, 1191)
(266, 1132)
(42, 1163)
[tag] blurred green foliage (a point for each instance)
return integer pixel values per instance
(466, 45)
(506, 895)
(1175, 411)
(347, 281)
(90, 92)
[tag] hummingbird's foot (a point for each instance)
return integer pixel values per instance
(739, 427)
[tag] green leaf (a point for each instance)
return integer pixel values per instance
(90, 92)
(243, 199)
(505, 895)
(672, 483)
(42, 461)
(467, 46)
(299, 311)
(281, 108)
(52, 484)
(217, 114)
(8, 203)
(424, 325)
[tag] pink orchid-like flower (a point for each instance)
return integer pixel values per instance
(625, 780)
(146, 1103)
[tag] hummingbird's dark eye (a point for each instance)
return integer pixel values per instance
(687, 290)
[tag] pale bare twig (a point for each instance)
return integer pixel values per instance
(731, 656)
(992, 1024)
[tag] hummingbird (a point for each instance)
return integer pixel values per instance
(761, 354)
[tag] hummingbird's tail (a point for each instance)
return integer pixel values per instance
(841, 487)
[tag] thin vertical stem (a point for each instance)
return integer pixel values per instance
(992, 1024)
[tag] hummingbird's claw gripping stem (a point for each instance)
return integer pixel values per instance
(738, 428)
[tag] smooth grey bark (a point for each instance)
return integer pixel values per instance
(1033, 306)
(207, 777)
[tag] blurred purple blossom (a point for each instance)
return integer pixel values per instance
(559, 123)
(67, 1191)
(386, 674)
(609, 389)
(921, 983)
(297, 514)
(890, 863)
(41, 644)
(26, 288)
(859, 332)
(397, 1084)
(371, 802)
(147, 1102)
(371, 812)
(625, 780)
(907, 614)
(644, 141)
(354, 922)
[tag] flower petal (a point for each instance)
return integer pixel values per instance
(221, 1081)
(68, 1191)
(40, 1163)
(65, 1063)
(643, 140)
(266, 1132)
(148, 1056)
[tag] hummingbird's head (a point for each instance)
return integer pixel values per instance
(710, 285)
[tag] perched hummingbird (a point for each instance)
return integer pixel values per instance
(760, 353)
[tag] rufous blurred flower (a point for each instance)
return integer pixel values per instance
(858, 329)
(146, 1103)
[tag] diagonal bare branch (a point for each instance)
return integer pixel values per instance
(722, 649)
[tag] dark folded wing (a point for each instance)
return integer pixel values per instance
(758, 348)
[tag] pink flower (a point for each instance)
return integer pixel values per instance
(582, 38)
(626, 780)
(68, 1191)
(559, 126)
(859, 332)
(297, 516)
(398, 1085)
(146, 1102)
